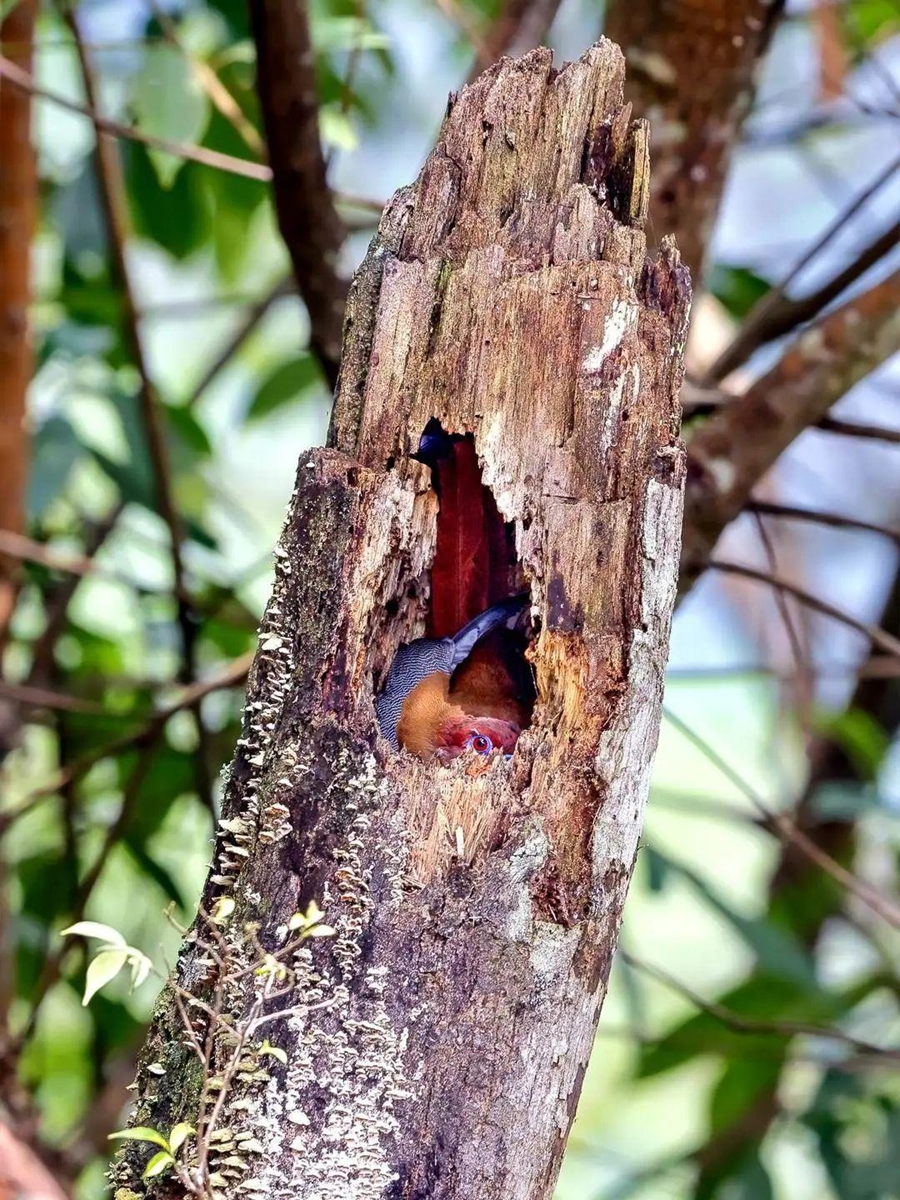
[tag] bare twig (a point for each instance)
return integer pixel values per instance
(33, 697)
(772, 318)
(789, 831)
(251, 321)
(209, 158)
(751, 1025)
(774, 307)
(878, 637)
(113, 196)
(740, 442)
(857, 429)
(309, 222)
(818, 516)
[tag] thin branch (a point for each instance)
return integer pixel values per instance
(218, 94)
(777, 314)
(818, 516)
(16, 545)
(310, 225)
(230, 676)
(878, 637)
(774, 309)
(35, 697)
(208, 158)
(731, 451)
(856, 429)
(789, 831)
(251, 321)
(750, 1025)
(115, 206)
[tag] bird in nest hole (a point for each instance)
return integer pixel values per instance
(467, 687)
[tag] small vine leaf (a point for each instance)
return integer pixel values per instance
(274, 1051)
(140, 1133)
(321, 931)
(102, 970)
(94, 929)
(223, 909)
(140, 968)
(179, 1135)
(157, 1164)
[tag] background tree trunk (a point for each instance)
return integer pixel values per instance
(435, 1045)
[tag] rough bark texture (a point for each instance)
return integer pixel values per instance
(309, 222)
(476, 907)
(18, 206)
(691, 71)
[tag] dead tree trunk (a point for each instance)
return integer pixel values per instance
(435, 1045)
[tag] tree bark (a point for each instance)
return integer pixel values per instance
(436, 1044)
(691, 73)
(18, 207)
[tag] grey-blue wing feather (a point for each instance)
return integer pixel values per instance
(415, 661)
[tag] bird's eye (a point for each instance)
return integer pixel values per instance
(480, 743)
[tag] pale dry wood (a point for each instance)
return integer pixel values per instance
(451, 1016)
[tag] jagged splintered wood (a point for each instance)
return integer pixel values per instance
(439, 1039)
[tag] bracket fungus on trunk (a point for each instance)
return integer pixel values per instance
(436, 1044)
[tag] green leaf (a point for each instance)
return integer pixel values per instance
(102, 970)
(153, 870)
(140, 1133)
(872, 20)
(284, 385)
(737, 288)
(178, 218)
(157, 1164)
(188, 430)
(55, 451)
(863, 739)
(180, 1133)
(169, 103)
(741, 1084)
(778, 952)
(94, 929)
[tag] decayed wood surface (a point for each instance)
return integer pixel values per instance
(451, 1016)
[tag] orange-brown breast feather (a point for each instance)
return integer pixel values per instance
(483, 685)
(425, 712)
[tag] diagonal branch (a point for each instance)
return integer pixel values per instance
(309, 222)
(696, 112)
(113, 200)
(738, 444)
(23, 82)
(778, 314)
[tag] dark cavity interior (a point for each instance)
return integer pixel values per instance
(475, 563)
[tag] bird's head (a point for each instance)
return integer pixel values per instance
(477, 735)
